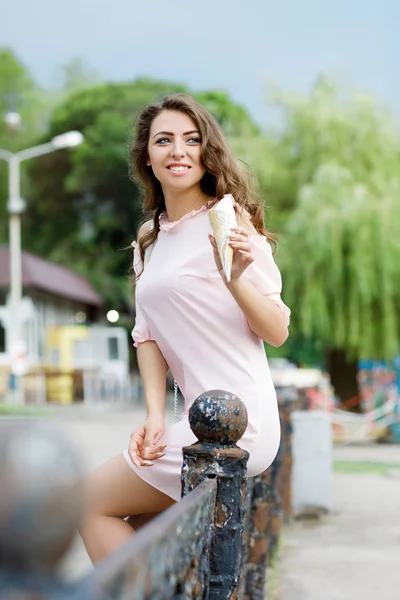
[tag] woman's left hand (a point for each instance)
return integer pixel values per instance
(242, 254)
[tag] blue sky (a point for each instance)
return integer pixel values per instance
(229, 44)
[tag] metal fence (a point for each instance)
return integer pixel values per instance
(214, 544)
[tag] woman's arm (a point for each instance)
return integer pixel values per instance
(263, 315)
(143, 446)
(152, 366)
(153, 370)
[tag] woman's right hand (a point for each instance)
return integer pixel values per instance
(143, 446)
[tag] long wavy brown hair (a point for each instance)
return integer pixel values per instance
(223, 174)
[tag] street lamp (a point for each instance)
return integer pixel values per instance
(16, 206)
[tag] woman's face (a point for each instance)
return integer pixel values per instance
(174, 151)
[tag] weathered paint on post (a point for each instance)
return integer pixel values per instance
(166, 559)
(288, 401)
(256, 540)
(268, 500)
(219, 419)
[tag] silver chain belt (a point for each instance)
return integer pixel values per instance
(176, 403)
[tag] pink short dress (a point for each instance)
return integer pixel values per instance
(183, 305)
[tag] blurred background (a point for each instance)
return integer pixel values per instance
(308, 94)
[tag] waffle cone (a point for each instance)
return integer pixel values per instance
(223, 219)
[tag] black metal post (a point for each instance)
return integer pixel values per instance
(219, 419)
(257, 546)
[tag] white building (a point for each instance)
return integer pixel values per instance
(55, 297)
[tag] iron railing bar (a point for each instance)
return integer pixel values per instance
(154, 532)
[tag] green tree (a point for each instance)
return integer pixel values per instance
(339, 181)
(18, 94)
(76, 75)
(342, 261)
(233, 118)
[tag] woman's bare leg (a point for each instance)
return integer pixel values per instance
(113, 492)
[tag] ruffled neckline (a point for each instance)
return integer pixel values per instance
(166, 225)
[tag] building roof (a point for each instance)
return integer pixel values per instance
(47, 276)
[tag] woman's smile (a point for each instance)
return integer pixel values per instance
(178, 169)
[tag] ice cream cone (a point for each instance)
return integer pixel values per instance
(223, 219)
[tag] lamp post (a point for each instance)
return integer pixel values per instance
(16, 206)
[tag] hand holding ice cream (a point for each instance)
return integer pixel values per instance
(232, 250)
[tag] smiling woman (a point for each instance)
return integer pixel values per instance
(189, 319)
(174, 152)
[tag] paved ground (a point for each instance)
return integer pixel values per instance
(352, 554)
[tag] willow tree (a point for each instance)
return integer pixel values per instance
(341, 261)
(339, 178)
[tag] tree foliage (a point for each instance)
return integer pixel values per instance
(233, 118)
(75, 75)
(329, 172)
(341, 254)
(18, 94)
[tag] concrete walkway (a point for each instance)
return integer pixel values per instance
(353, 553)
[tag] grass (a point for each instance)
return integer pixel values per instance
(273, 581)
(7, 410)
(363, 467)
(274, 575)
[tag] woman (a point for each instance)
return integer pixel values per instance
(189, 319)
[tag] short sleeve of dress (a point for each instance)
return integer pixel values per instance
(140, 332)
(264, 274)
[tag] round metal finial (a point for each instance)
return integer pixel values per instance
(219, 417)
(41, 496)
